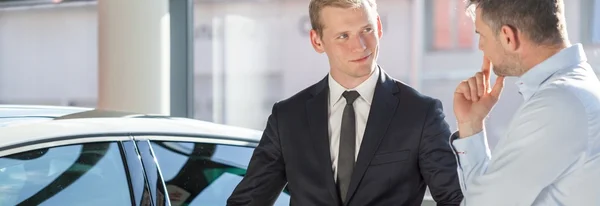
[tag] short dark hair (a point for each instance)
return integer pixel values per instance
(540, 20)
(315, 7)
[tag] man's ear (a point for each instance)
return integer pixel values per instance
(379, 27)
(509, 36)
(316, 42)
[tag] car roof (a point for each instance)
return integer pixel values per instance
(86, 122)
(109, 126)
(16, 111)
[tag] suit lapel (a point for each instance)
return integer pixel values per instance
(382, 111)
(317, 111)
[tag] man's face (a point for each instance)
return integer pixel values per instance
(505, 63)
(350, 39)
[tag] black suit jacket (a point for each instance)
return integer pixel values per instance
(404, 149)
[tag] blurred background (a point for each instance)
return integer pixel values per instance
(247, 54)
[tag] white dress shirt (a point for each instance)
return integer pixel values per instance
(550, 154)
(362, 106)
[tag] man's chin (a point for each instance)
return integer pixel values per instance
(363, 71)
(500, 74)
(501, 71)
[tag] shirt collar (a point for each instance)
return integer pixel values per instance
(366, 89)
(529, 82)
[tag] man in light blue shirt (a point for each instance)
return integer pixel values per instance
(550, 154)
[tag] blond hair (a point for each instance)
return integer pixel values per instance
(315, 7)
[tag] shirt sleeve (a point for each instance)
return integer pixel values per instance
(547, 136)
(472, 155)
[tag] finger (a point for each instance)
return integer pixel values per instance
(485, 67)
(486, 83)
(498, 86)
(463, 89)
(473, 89)
(480, 83)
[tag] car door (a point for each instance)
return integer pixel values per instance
(73, 171)
(201, 170)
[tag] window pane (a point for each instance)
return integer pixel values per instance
(442, 25)
(465, 26)
(596, 22)
(88, 174)
(201, 173)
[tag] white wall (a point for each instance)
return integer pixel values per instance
(49, 56)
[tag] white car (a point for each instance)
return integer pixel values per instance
(80, 156)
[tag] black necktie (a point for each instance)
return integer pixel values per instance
(347, 145)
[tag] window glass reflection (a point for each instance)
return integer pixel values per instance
(87, 174)
(202, 173)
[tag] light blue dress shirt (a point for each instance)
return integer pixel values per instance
(550, 154)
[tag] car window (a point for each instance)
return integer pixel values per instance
(202, 173)
(83, 174)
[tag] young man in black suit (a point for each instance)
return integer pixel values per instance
(357, 137)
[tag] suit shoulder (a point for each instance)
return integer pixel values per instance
(413, 94)
(297, 99)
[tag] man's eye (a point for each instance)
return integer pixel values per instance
(343, 36)
(368, 30)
